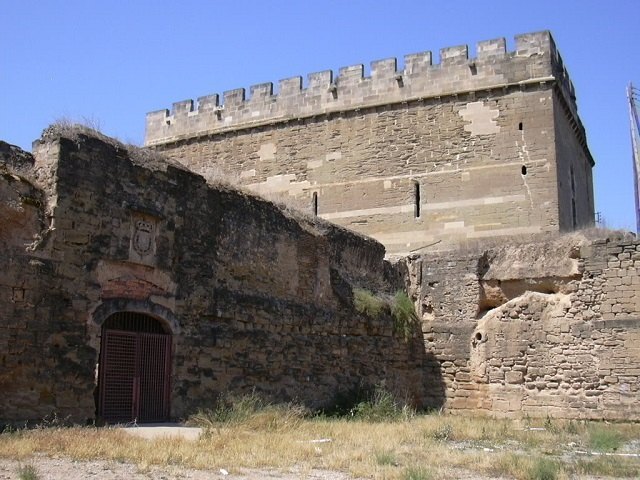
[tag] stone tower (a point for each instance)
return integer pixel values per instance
(420, 157)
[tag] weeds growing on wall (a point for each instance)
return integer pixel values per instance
(402, 309)
(367, 303)
(404, 315)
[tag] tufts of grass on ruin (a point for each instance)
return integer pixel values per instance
(367, 303)
(405, 319)
(400, 306)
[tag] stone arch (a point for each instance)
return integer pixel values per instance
(160, 313)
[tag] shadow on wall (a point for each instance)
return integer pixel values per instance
(415, 381)
(435, 388)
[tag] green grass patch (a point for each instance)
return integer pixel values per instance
(367, 303)
(417, 473)
(604, 439)
(386, 458)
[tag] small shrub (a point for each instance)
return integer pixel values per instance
(28, 472)
(385, 458)
(367, 303)
(251, 411)
(604, 439)
(404, 315)
(417, 473)
(543, 469)
(381, 407)
(443, 433)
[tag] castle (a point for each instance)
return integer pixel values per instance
(135, 289)
(432, 154)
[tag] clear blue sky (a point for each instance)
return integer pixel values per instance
(112, 61)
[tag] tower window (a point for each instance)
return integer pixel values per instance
(315, 203)
(416, 194)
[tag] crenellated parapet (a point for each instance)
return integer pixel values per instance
(535, 60)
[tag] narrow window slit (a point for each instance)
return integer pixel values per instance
(520, 126)
(315, 203)
(523, 170)
(416, 190)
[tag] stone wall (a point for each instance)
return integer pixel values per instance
(255, 297)
(546, 329)
(430, 154)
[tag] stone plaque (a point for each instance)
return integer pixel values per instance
(143, 239)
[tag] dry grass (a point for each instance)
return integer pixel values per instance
(424, 446)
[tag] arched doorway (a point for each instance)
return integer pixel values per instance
(134, 371)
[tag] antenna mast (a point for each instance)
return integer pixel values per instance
(633, 94)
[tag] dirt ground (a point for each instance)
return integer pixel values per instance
(66, 469)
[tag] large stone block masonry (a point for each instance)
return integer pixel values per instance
(252, 297)
(419, 158)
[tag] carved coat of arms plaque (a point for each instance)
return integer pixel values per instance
(143, 239)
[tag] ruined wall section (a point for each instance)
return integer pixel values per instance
(255, 297)
(556, 336)
(33, 368)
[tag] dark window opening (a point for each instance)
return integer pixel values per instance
(573, 183)
(315, 203)
(416, 190)
(520, 126)
(523, 170)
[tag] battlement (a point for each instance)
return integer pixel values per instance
(535, 60)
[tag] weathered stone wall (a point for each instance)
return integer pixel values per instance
(449, 152)
(574, 174)
(256, 298)
(540, 329)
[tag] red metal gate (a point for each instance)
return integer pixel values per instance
(134, 376)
